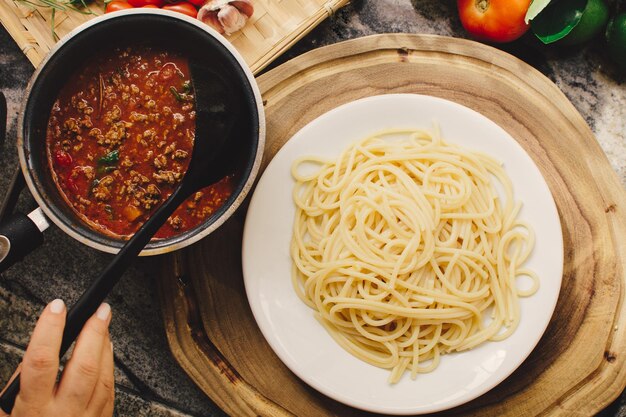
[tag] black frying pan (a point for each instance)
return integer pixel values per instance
(176, 31)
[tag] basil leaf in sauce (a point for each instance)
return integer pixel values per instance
(186, 87)
(176, 94)
(111, 158)
(184, 96)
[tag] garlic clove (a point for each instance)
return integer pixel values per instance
(226, 16)
(231, 19)
(210, 18)
(244, 6)
(215, 5)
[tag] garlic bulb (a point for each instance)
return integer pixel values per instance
(226, 16)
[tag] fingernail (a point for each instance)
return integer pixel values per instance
(111, 346)
(103, 311)
(57, 306)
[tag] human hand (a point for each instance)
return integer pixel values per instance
(86, 387)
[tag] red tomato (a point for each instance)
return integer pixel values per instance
(494, 20)
(149, 6)
(62, 158)
(142, 3)
(70, 183)
(182, 7)
(197, 3)
(116, 5)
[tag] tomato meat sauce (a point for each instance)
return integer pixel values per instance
(119, 140)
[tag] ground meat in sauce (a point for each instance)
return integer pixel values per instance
(120, 137)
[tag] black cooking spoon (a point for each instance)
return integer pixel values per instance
(215, 145)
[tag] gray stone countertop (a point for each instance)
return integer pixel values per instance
(149, 382)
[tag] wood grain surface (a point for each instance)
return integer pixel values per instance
(578, 366)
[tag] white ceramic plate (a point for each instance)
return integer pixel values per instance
(305, 346)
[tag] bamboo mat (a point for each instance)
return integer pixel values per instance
(273, 28)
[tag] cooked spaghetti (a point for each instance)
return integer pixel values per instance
(408, 248)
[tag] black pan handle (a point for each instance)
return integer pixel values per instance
(19, 236)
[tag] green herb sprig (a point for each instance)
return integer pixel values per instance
(183, 96)
(110, 158)
(79, 6)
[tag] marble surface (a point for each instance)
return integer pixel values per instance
(149, 382)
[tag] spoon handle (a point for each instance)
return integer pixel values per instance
(91, 299)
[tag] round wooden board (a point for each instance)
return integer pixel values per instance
(578, 366)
